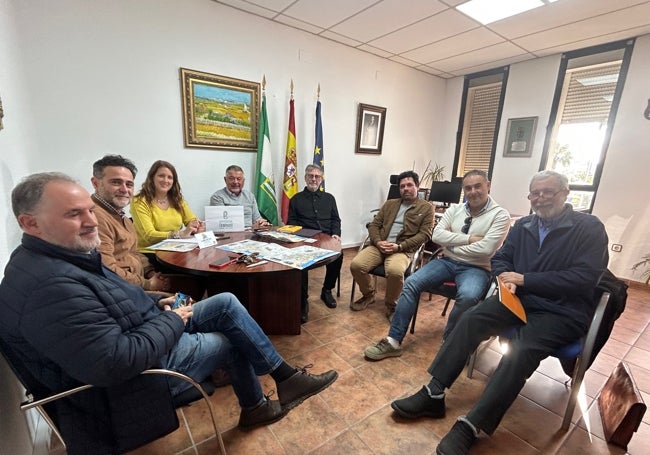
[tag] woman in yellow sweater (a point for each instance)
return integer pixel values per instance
(159, 211)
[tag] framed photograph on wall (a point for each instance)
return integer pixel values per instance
(520, 136)
(219, 111)
(370, 129)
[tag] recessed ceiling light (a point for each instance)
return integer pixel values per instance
(487, 11)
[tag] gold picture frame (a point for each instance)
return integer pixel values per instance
(219, 111)
(370, 129)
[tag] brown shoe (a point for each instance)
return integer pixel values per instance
(267, 412)
(363, 302)
(390, 312)
(297, 388)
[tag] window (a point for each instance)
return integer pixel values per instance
(480, 115)
(587, 93)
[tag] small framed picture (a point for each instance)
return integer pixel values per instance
(520, 136)
(370, 129)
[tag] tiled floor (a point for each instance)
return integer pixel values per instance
(354, 416)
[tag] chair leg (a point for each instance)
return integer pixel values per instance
(444, 310)
(470, 364)
(352, 291)
(576, 384)
(415, 315)
(338, 285)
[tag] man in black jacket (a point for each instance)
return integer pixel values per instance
(553, 260)
(69, 320)
(316, 209)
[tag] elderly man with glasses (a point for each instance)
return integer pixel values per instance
(552, 260)
(469, 233)
(313, 208)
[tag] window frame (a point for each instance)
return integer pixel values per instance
(504, 71)
(627, 46)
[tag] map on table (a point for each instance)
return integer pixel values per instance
(299, 258)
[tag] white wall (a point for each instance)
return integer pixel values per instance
(529, 93)
(15, 144)
(103, 77)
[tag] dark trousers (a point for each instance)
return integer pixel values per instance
(542, 335)
(332, 272)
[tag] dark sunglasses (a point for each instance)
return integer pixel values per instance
(465, 228)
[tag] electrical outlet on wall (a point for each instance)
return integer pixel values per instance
(617, 247)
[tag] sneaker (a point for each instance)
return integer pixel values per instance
(264, 414)
(382, 350)
(363, 302)
(327, 297)
(458, 441)
(420, 405)
(302, 385)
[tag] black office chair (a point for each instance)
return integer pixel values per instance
(43, 400)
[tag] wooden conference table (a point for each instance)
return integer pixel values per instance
(270, 292)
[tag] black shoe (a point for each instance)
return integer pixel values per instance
(266, 413)
(420, 405)
(458, 441)
(304, 311)
(327, 297)
(302, 385)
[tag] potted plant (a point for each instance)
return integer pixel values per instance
(430, 174)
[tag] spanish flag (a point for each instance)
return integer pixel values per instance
(290, 182)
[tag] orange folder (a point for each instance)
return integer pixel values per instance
(511, 301)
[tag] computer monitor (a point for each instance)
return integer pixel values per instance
(445, 193)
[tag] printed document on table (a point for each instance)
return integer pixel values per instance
(180, 245)
(224, 218)
(298, 258)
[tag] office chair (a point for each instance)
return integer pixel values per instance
(433, 251)
(581, 349)
(42, 400)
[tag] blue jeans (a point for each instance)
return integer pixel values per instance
(471, 284)
(221, 334)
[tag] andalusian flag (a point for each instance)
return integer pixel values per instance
(265, 189)
(290, 182)
(319, 153)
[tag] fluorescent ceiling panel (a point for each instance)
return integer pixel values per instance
(487, 11)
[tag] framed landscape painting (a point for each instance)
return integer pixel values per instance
(219, 111)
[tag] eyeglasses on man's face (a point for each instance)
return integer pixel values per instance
(547, 193)
(314, 176)
(465, 228)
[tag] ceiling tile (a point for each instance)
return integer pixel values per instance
(487, 54)
(385, 17)
(375, 50)
(248, 7)
(428, 69)
(340, 38)
(465, 42)
(494, 64)
(403, 61)
(637, 16)
(275, 5)
(608, 38)
(556, 14)
(298, 24)
(326, 14)
(427, 31)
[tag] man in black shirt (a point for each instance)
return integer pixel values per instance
(315, 209)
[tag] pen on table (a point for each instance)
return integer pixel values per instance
(257, 263)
